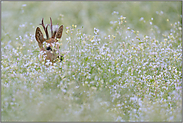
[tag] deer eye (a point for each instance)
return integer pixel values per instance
(49, 48)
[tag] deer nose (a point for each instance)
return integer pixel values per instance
(60, 58)
(49, 48)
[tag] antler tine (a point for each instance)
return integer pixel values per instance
(42, 24)
(53, 36)
(45, 29)
(51, 26)
(47, 35)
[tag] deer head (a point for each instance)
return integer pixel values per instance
(49, 46)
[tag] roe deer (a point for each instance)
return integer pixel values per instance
(50, 52)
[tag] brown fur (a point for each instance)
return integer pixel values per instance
(50, 53)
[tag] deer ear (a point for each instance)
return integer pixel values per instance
(59, 32)
(39, 36)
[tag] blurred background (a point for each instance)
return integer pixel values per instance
(27, 88)
(87, 14)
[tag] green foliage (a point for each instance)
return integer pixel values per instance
(122, 62)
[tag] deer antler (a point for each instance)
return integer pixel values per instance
(53, 36)
(45, 29)
(51, 26)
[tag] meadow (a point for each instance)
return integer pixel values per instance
(122, 62)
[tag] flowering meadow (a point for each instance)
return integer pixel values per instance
(122, 62)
